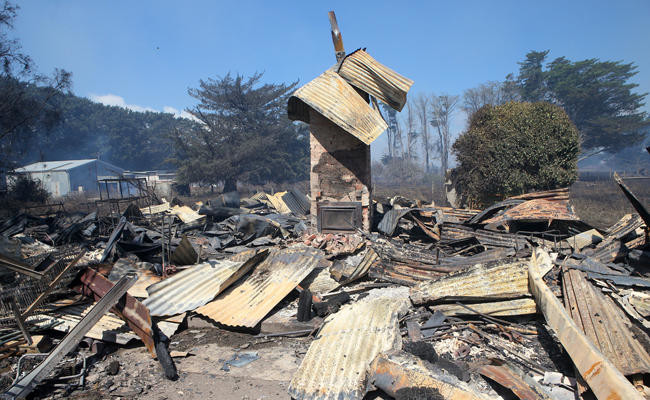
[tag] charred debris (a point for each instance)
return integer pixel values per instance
(521, 298)
(518, 300)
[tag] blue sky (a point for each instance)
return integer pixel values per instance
(145, 54)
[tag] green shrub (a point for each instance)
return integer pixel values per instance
(515, 148)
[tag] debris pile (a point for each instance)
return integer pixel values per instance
(521, 298)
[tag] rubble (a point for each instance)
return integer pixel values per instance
(445, 303)
(332, 295)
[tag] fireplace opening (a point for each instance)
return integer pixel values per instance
(341, 217)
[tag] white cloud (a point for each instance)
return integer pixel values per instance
(115, 100)
(179, 114)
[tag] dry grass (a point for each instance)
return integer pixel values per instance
(602, 203)
(598, 203)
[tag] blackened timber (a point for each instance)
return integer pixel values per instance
(638, 206)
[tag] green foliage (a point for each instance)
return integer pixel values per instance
(27, 98)
(84, 129)
(515, 148)
(244, 135)
(597, 96)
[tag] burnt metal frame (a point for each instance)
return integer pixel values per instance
(355, 206)
(25, 385)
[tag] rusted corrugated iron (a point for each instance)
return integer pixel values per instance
(195, 286)
(334, 98)
(247, 302)
(604, 324)
(536, 210)
(404, 376)
(506, 308)
(499, 281)
(623, 227)
(337, 360)
(449, 214)
(364, 72)
(551, 195)
(610, 250)
(407, 264)
(604, 379)
(451, 231)
(509, 377)
(136, 315)
(493, 209)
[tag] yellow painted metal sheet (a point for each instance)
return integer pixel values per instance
(506, 308)
(278, 203)
(186, 214)
(337, 360)
(246, 303)
(334, 98)
(364, 72)
(503, 280)
(193, 287)
(155, 209)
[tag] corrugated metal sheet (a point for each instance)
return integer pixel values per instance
(277, 202)
(536, 210)
(503, 280)
(498, 308)
(604, 324)
(186, 214)
(247, 303)
(521, 384)
(626, 225)
(337, 360)
(640, 301)
(405, 376)
(451, 231)
(194, 286)
(364, 72)
(155, 209)
(109, 328)
(296, 202)
(493, 209)
(449, 214)
(47, 166)
(333, 97)
(146, 277)
(388, 223)
(551, 195)
(258, 196)
(184, 254)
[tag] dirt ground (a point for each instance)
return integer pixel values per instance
(200, 373)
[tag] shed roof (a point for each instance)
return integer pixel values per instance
(66, 165)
